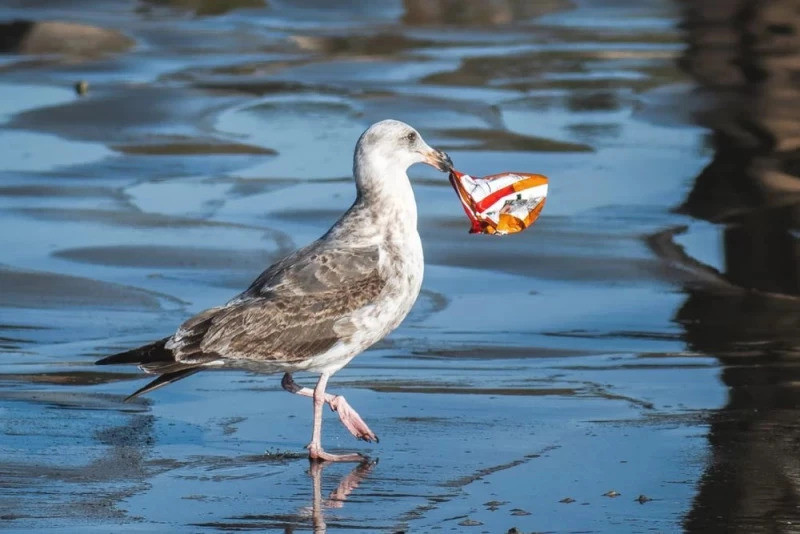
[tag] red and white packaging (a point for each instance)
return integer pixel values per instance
(503, 203)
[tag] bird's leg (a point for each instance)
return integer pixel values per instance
(347, 415)
(315, 447)
(315, 451)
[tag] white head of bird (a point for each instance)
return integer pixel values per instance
(384, 153)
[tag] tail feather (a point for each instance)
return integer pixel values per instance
(164, 380)
(153, 358)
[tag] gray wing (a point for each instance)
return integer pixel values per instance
(297, 308)
(316, 268)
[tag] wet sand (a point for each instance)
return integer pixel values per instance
(591, 374)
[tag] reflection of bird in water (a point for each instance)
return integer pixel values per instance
(338, 496)
(319, 307)
(747, 313)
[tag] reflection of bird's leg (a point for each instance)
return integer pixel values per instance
(317, 517)
(315, 451)
(347, 415)
(337, 497)
(348, 484)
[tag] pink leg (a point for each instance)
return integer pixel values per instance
(315, 451)
(347, 415)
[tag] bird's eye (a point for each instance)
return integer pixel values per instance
(412, 137)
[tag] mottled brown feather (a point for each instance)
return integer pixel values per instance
(296, 309)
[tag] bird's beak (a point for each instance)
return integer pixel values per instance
(439, 159)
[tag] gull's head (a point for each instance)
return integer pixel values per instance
(393, 145)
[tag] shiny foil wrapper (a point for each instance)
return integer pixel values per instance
(500, 204)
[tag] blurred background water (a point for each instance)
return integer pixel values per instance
(626, 365)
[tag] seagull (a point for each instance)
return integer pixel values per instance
(319, 307)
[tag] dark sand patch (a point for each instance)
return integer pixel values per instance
(210, 7)
(132, 112)
(243, 187)
(121, 218)
(39, 289)
(560, 267)
(300, 107)
(493, 352)
(322, 216)
(72, 399)
(383, 44)
(194, 149)
(69, 378)
(565, 70)
(258, 87)
(165, 257)
(504, 140)
(424, 12)
(44, 191)
(445, 389)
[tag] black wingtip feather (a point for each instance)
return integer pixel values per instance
(148, 353)
(163, 380)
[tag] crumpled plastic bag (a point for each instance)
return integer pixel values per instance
(503, 203)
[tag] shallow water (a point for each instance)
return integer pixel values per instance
(620, 345)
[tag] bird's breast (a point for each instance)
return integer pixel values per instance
(403, 265)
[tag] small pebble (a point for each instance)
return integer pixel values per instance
(470, 523)
(567, 500)
(82, 87)
(514, 530)
(642, 499)
(519, 511)
(612, 493)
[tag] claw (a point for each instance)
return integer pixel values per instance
(351, 420)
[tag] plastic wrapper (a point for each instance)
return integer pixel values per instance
(503, 203)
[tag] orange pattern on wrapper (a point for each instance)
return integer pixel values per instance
(507, 222)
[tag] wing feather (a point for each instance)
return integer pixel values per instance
(299, 307)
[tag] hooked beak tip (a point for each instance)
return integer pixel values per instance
(440, 160)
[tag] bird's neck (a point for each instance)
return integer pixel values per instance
(386, 191)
